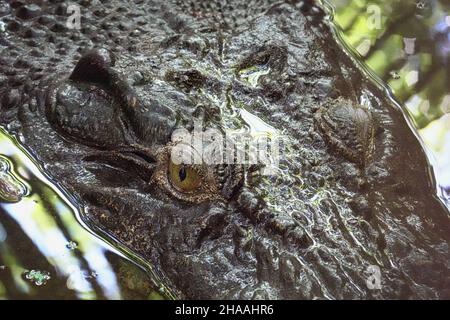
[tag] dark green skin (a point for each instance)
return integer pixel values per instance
(334, 218)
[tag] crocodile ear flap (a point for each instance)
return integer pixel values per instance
(94, 66)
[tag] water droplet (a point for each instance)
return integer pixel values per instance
(20, 137)
(394, 75)
(11, 189)
(3, 165)
(71, 245)
(91, 275)
(252, 74)
(424, 9)
(38, 277)
(420, 5)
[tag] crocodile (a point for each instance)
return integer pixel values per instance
(96, 91)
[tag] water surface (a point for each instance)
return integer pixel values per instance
(45, 250)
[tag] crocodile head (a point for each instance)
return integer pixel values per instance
(350, 191)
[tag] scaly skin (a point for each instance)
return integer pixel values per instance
(100, 122)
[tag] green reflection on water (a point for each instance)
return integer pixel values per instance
(406, 43)
(41, 233)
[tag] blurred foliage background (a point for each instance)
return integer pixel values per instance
(407, 44)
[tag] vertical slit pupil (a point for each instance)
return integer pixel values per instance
(182, 174)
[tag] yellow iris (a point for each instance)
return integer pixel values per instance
(184, 178)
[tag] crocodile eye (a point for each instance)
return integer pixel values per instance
(184, 178)
(186, 181)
